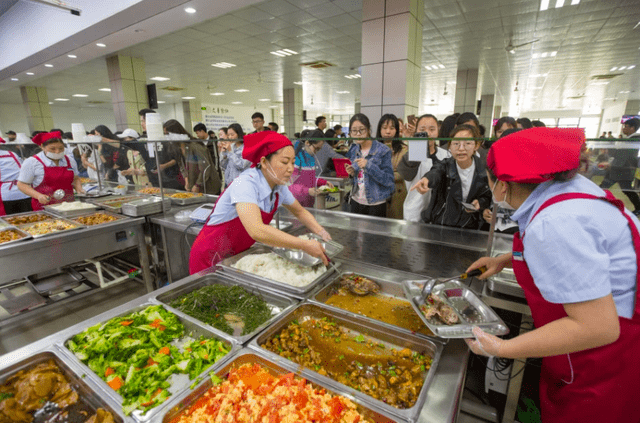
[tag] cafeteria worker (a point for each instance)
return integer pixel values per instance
(242, 214)
(49, 171)
(576, 258)
(11, 199)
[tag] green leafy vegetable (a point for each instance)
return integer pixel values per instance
(5, 395)
(359, 338)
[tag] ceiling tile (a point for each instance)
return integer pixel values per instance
(326, 10)
(277, 7)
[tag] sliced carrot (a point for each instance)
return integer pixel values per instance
(115, 383)
(126, 322)
(161, 328)
(165, 351)
(206, 356)
(109, 371)
(156, 323)
(150, 402)
(203, 342)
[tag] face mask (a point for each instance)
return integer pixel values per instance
(278, 181)
(502, 204)
(54, 156)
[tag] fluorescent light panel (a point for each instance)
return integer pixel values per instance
(190, 10)
(188, 98)
(236, 102)
(264, 99)
(80, 95)
(61, 99)
(241, 90)
(222, 65)
(161, 102)
(101, 45)
(30, 73)
(298, 82)
(342, 92)
(106, 90)
(72, 56)
(559, 4)
(544, 5)
(14, 79)
(217, 93)
(284, 52)
(48, 65)
(159, 78)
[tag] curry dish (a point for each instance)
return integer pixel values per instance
(43, 394)
(185, 195)
(10, 235)
(389, 375)
(96, 219)
(149, 190)
(30, 218)
(47, 227)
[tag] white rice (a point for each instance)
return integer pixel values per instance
(274, 267)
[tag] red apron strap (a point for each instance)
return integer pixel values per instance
(38, 159)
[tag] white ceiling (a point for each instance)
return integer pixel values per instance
(589, 38)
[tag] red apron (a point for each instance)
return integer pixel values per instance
(55, 178)
(217, 242)
(596, 385)
(11, 183)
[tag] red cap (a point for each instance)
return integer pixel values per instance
(534, 155)
(261, 144)
(45, 136)
(2, 141)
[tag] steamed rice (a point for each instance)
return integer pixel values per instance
(274, 267)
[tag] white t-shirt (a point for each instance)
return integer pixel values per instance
(466, 177)
(416, 202)
(360, 196)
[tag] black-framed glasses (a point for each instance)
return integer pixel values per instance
(358, 131)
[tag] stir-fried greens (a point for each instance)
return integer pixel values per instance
(134, 355)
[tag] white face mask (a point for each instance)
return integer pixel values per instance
(278, 181)
(502, 204)
(54, 156)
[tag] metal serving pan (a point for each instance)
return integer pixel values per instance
(186, 201)
(505, 283)
(105, 202)
(389, 280)
(76, 226)
(117, 216)
(300, 257)
(89, 400)
(460, 298)
(298, 291)
(284, 224)
(278, 303)
(70, 213)
(275, 367)
(355, 325)
(25, 235)
(11, 219)
(179, 382)
(145, 206)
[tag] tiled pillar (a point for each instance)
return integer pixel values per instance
(192, 114)
(632, 107)
(486, 112)
(128, 82)
(292, 106)
(391, 57)
(36, 104)
(466, 91)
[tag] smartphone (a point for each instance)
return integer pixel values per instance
(469, 206)
(412, 119)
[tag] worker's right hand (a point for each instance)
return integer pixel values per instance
(313, 192)
(422, 186)
(315, 249)
(486, 215)
(43, 199)
(494, 265)
(350, 170)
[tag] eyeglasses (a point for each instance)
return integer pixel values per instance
(257, 121)
(463, 144)
(361, 131)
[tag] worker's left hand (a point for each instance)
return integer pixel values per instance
(485, 344)
(325, 235)
(362, 163)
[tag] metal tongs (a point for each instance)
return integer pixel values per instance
(428, 287)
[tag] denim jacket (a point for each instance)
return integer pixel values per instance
(378, 173)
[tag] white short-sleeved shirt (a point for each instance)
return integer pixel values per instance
(9, 170)
(578, 250)
(250, 187)
(466, 178)
(32, 171)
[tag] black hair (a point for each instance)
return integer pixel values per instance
(312, 137)
(539, 124)
(525, 122)
(447, 126)
(257, 115)
(482, 130)
(467, 117)
(68, 135)
(320, 119)
(34, 133)
(266, 128)
(396, 144)
(304, 134)
(11, 133)
(174, 127)
(425, 116)
(57, 130)
(51, 141)
(634, 123)
(275, 126)
(200, 127)
(475, 133)
(238, 130)
(362, 118)
(335, 128)
(144, 112)
(296, 135)
(223, 129)
(505, 119)
(105, 132)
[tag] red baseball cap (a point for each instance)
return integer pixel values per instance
(533, 156)
(39, 139)
(261, 144)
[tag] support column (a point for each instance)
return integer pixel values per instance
(292, 106)
(192, 114)
(632, 107)
(391, 57)
(36, 104)
(128, 83)
(486, 112)
(466, 91)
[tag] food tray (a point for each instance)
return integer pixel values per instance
(458, 296)
(300, 257)
(332, 248)
(186, 201)
(297, 291)
(88, 397)
(145, 206)
(25, 235)
(355, 325)
(505, 283)
(71, 213)
(275, 368)
(76, 226)
(104, 202)
(284, 224)
(279, 303)
(56, 281)
(389, 280)
(117, 216)
(179, 383)
(10, 220)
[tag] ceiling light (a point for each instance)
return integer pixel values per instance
(284, 52)
(354, 76)
(535, 55)
(273, 107)
(559, 3)
(441, 66)
(615, 68)
(241, 90)
(14, 79)
(161, 102)
(190, 10)
(80, 95)
(342, 92)
(574, 2)
(101, 45)
(544, 5)
(222, 65)
(159, 78)
(298, 82)
(61, 99)
(188, 98)
(48, 65)
(107, 90)
(236, 102)
(428, 67)
(51, 102)
(72, 56)
(631, 67)
(543, 55)
(600, 83)
(622, 68)
(217, 93)
(30, 73)
(553, 53)
(625, 92)
(264, 99)
(512, 51)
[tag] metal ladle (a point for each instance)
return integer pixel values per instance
(58, 194)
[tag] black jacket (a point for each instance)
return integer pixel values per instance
(445, 207)
(625, 161)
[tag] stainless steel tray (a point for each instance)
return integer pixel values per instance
(301, 258)
(275, 367)
(117, 216)
(70, 213)
(76, 226)
(505, 283)
(355, 325)
(390, 282)
(278, 303)
(57, 281)
(284, 225)
(145, 206)
(89, 399)
(179, 383)
(10, 219)
(25, 235)
(332, 248)
(459, 297)
(104, 202)
(186, 201)
(298, 291)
